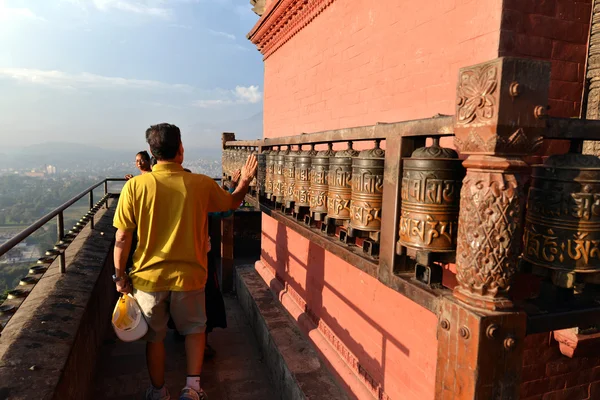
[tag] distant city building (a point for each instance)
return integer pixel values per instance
(51, 170)
(34, 174)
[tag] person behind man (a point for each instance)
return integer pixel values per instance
(169, 208)
(142, 162)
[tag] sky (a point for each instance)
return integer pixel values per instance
(99, 72)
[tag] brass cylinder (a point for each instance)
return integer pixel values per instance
(278, 177)
(302, 178)
(319, 170)
(367, 189)
(562, 228)
(289, 167)
(225, 161)
(339, 191)
(431, 182)
(261, 174)
(270, 172)
(247, 154)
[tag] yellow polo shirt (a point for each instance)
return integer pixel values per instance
(169, 208)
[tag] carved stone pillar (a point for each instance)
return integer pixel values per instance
(500, 115)
(593, 77)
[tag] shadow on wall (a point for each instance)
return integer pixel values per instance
(370, 369)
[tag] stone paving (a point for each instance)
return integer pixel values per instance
(236, 372)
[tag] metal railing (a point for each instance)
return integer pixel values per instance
(63, 240)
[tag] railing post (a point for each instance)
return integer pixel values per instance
(106, 192)
(499, 120)
(60, 235)
(91, 206)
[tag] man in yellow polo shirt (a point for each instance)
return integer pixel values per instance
(169, 208)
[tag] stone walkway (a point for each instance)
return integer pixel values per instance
(237, 371)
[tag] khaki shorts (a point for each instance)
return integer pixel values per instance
(186, 308)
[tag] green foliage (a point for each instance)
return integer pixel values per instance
(10, 275)
(23, 200)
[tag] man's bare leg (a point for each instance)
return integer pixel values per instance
(155, 359)
(194, 351)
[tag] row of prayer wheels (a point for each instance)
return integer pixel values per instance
(344, 185)
(561, 233)
(234, 159)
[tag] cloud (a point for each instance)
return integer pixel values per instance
(249, 94)
(222, 34)
(14, 13)
(180, 26)
(84, 80)
(241, 95)
(152, 8)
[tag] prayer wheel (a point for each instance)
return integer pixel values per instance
(340, 184)
(367, 189)
(225, 161)
(289, 167)
(319, 170)
(278, 177)
(431, 182)
(261, 174)
(270, 172)
(562, 226)
(247, 153)
(302, 178)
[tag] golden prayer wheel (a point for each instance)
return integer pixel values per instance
(261, 174)
(431, 183)
(340, 184)
(278, 177)
(225, 162)
(270, 172)
(302, 178)
(367, 189)
(319, 170)
(562, 228)
(247, 154)
(289, 167)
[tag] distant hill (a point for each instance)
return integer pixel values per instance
(60, 154)
(71, 155)
(201, 140)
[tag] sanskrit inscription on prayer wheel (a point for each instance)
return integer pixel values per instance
(254, 182)
(340, 184)
(278, 177)
(270, 172)
(367, 189)
(562, 228)
(302, 178)
(261, 175)
(289, 167)
(225, 162)
(319, 170)
(431, 183)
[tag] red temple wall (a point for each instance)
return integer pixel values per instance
(360, 62)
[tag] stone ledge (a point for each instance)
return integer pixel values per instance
(295, 367)
(48, 348)
(572, 343)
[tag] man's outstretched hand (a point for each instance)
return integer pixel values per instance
(249, 169)
(236, 176)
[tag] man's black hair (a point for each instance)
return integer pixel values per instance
(164, 141)
(145, 156)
